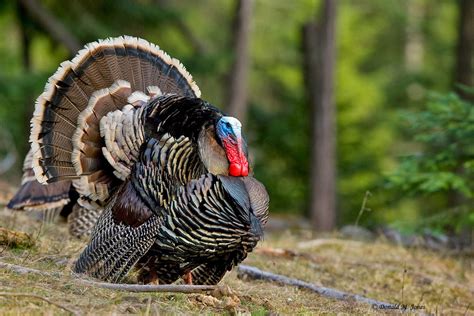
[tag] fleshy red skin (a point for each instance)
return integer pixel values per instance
(238, 164)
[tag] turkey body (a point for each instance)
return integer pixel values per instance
(161, 176)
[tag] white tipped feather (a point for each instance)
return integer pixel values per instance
(154, 91)
(122, 139)
(80, 80)
(138, 98)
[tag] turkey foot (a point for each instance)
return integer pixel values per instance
(188, 278)
(149, 276)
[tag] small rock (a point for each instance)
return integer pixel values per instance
(357, 233)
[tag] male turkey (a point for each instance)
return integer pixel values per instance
(167, 172)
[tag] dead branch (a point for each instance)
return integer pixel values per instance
(199, 46)
(40, 298)
(175, 288)
(51, 25)
(22, 270)
(170, 288)
(257, 274)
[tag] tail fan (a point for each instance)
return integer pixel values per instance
(74, 99)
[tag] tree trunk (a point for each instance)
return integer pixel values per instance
(414, 42)
(319, 47)
(465, 48)
(237, 95)
(464, 75)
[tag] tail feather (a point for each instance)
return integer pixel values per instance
(33, 196)
(73, 87)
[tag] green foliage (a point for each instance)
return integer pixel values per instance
(443, 167)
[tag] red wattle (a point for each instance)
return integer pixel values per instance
(245, 169)
(235, 170)
(238, 164)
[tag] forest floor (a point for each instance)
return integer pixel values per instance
(424, 281)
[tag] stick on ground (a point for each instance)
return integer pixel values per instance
(257, 274)
(171, 288)
(175, 288)
(23, 270)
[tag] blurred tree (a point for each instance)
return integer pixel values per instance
(241, 29)
(320, 54)
(464, 73)
(414, 47)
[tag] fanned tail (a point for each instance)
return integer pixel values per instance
(97, 81)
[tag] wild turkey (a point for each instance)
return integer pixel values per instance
(167, 171)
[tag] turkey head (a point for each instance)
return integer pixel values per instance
(223, 149)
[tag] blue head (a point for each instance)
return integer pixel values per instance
(229, 130)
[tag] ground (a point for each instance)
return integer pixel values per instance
(425, 281)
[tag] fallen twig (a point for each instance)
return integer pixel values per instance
(257, 274)
(175, 288)
(40, 298)
(172, 288)
(23, 270)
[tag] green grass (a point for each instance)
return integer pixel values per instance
(438, 282)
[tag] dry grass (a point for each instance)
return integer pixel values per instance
(439, 283)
